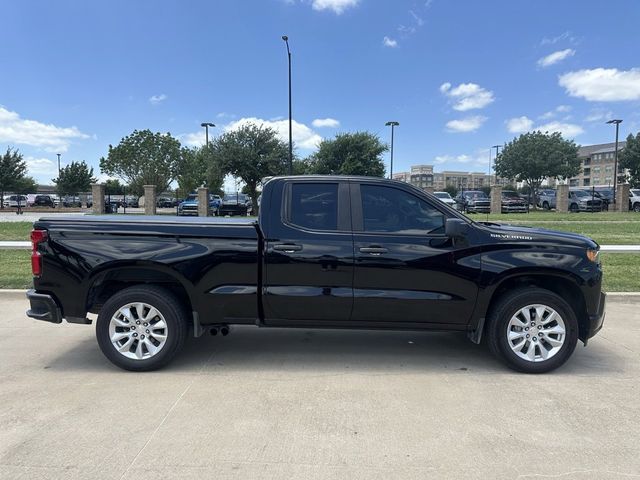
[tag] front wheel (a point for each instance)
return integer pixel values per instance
(636, 207)
(532, 330)
(141, 328)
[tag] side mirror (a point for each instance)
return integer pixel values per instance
(455, 228)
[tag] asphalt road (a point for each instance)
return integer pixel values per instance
(303, 404)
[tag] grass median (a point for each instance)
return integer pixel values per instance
(620, 270)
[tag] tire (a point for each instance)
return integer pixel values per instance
(545, 206)
(171, 323)
(636, 207)
(573, 208)
(511, 345)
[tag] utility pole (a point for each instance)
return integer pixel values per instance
(495, 180)
(615, 161)
(392, 124)
(286, 40)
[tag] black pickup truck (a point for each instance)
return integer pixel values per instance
(326, 252)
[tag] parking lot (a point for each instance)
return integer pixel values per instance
(316, 404)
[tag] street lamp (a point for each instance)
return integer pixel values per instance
(206, 126)
(615, 161)
(392, 125)
(496, 175)
(286, 40)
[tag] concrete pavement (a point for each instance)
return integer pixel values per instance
(288, 404)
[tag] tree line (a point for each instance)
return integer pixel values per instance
(253, 152)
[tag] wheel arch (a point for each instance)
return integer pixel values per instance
(116, 276)
(557, 282)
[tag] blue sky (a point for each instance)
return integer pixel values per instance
(459, 76)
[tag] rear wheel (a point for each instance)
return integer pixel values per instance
(141, 328)
(636, 207)
(532, 330)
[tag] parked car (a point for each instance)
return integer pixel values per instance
(14, 201)
(512, 203)
(190, 205)
(583, 201)
(634, 199)
(235, 204)
(605, 194)
(326, 252)
(43, 201)
(132, 202)
(546, 199)
(165, 202)
(473, 201)
(445, 198)
(70, 201)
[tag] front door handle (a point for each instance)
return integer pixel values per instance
(287, 247)
(373, 250)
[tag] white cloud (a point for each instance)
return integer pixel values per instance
(555, 57)
(41, 166)
(468, 124)
(157, 99)
(325, 122)
(552, 113)
(519, 124)
(565, 36)
(389, 42)
(479, 158)
(337, 6)
(303, 136)
(602, 84)
(467, 96)
(569, 130)
(599, 115)
(16, 130)
(416, 18)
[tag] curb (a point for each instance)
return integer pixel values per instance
(618, 297)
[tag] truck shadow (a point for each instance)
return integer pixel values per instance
(249, 349)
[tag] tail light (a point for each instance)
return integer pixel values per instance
(37, 237)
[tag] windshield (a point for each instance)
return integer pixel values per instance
(191, 198)
(233, 197)
(475, 195)
(510, 195)
(636, 193)
(581, 193)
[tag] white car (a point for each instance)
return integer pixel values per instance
(444, 197)
(634, 199)
(12, 201)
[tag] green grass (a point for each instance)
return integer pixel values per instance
(620, 270)
(15, 269)
(15, 230)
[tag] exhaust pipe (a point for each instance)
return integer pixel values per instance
(224, 331)
(214, 331)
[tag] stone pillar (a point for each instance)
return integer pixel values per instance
(496, 199)
(562, 199)
(149, 199)
(622, 197)
(203, 202)
(97, 196)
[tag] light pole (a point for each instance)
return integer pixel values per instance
(615, 161)
(286, 41)
(392, 125)
(206, 126)
(496, 175)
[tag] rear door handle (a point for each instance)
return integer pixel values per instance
(287, 247)
(373, 250)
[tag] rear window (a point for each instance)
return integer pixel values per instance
(314, 205)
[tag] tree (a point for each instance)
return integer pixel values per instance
(12, 169)
(630, 159)
(251, 153)
(358, 153)
(25, 185)
(534, 156)
(199, 167)
(451, 190)
(113, 187)
(74, 178)
(144, 158)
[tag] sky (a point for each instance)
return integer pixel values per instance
(459, 76)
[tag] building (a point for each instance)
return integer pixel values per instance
(423, 176)
(597, 163)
